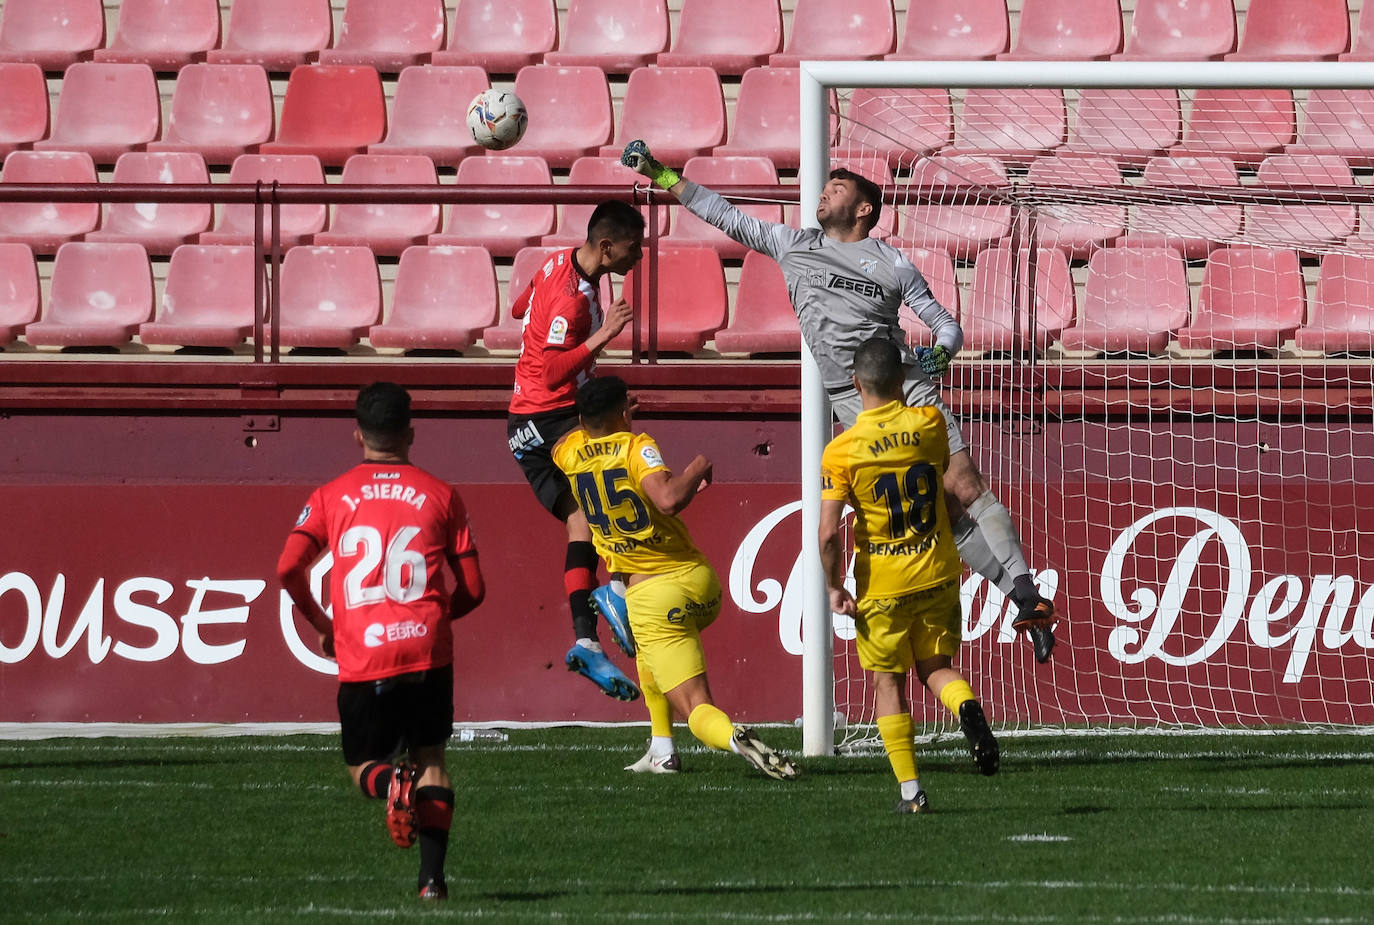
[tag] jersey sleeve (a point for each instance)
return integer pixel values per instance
(312, 521)
(460, 530)
(835, 470)
(917, 296)
(768, 238)
(563, 451)
(645, 458)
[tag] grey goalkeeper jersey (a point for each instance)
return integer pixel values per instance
(843, 293)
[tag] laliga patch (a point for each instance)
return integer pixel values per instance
(651, 457)
(305, 515)
(558, 330)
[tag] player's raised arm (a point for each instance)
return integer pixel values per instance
(670, 492)
(949, 336)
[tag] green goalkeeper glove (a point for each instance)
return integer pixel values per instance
(637, 157)
(934, 360)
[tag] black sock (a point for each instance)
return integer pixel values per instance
(1024, 592)
(433, 817)
(579, 580)
(375, 780)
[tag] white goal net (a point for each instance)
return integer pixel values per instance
(1165, 275)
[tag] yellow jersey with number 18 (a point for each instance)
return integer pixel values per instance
(890, 467)
(630, 533)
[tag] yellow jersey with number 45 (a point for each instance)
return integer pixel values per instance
(630, 533)
(890, 467)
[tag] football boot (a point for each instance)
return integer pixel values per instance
(599, 669)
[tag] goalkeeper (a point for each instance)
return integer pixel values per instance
(846, 288)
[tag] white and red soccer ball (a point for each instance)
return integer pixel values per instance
(497, 119)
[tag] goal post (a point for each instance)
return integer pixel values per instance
(1287, 631)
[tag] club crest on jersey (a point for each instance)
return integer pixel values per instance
(305, 515)
(558, 330)
(868, 265)
(651, 457)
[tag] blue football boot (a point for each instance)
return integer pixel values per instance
(610, 603)
(599, 669)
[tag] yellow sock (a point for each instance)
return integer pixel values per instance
(660, 711)
(710, 724)
(954, 694)
(899, 734)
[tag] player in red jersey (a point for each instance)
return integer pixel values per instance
(393, 530)
(565, 330)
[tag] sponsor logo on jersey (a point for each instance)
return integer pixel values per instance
(863, 287)
(386, 475)
(378, 634)
(651, 457)
(525, 438)
(305, 515)
(558, 330)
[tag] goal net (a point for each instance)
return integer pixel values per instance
(1165, 276)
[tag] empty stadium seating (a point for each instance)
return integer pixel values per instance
(1133, 300)
(429, 114)
(1013, 124)
(100, 294)
(500, 36)
(954, 29)
(159, 226)
(1180, 30)
(51, 33)
(1342, 317)
(1300, 226)
(506, 334)
(1362, 48)
(219, 111)
(993, 321)
(105, 110)
(275, 34)
(330, 297)
(728, 36)
(569, 109)
(938, 270)
(19, 292)
(680, 108)
(207, 300)
(444, 297)
(165, 36)
(849, 30)
(330, 111)
(298, 221)
(1294, 30)
(1252, 299)
(724, 171)
(691, 300)
(764, 319)
(898, 124)
(599, 171)
(766, 118)
(959, 228)
(502, 228)
(387, 227)
(1244, 125)
(388, 34)
(1129, 126)
(1077, 227)
(1338, 122)
(617, 36)
(1067, 29)
(45, 226)
(23, 106)
(1194, 228)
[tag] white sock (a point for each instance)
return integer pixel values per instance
(590, 644)
(910, 788)
(661, 746)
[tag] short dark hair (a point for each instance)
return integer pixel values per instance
(869, 191)
(602, 396)
(878, 366)
(615, 221)
(383, 415)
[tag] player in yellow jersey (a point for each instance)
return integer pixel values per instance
(890, 467)
(631, 499)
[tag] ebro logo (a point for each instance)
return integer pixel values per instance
(376, 634)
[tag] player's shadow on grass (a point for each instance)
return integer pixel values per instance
(88, 764)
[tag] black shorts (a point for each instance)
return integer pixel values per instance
(382, 718)
(531, 438)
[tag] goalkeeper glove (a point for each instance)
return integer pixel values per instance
(934, 360)
(637, 157)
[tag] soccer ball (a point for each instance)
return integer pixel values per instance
(497, 119)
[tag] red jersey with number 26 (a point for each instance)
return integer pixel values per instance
(562, 308)
(391, 529)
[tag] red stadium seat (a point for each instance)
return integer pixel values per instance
(386, 227)
(45, 226)
(1252, 298)
(429, 114)
(938, 270)
(100, 294)
(1294, 30)
(332, 112)
(570, 112)
(105, 110)
(51, 33)
(1338, 122)
(1304, 227)
(954, 30)
(23, 106)
(617, 36)
(1180, 30)
(1012, 123)
(388, 34)
(1128, 126)
(1244, 125)
(506, 334)
(764, 319)
(1363, 47)
(848, 30)
(500, 36)
(502, 228)
(680, 109)
(298, 222)
(160, 227)
(219, 111)
(691, 300)
(165, 36)
(1133, 300)
(960, 229)
(275, 34)
(992, 320)
(728, 36)
(19, 292)
(598, 171)
(330, 297)
(724, 171)
(207, 300)
(1074, 227)
(425, 314)
(1343, 308)
(897, 124)
(1192, 229)
(766, 118)
(1075, 30)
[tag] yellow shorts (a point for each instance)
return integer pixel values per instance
(896, 632)
(667, 614)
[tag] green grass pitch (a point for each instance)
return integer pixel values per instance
(548, 828)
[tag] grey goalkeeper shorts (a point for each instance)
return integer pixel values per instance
(920, 390)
